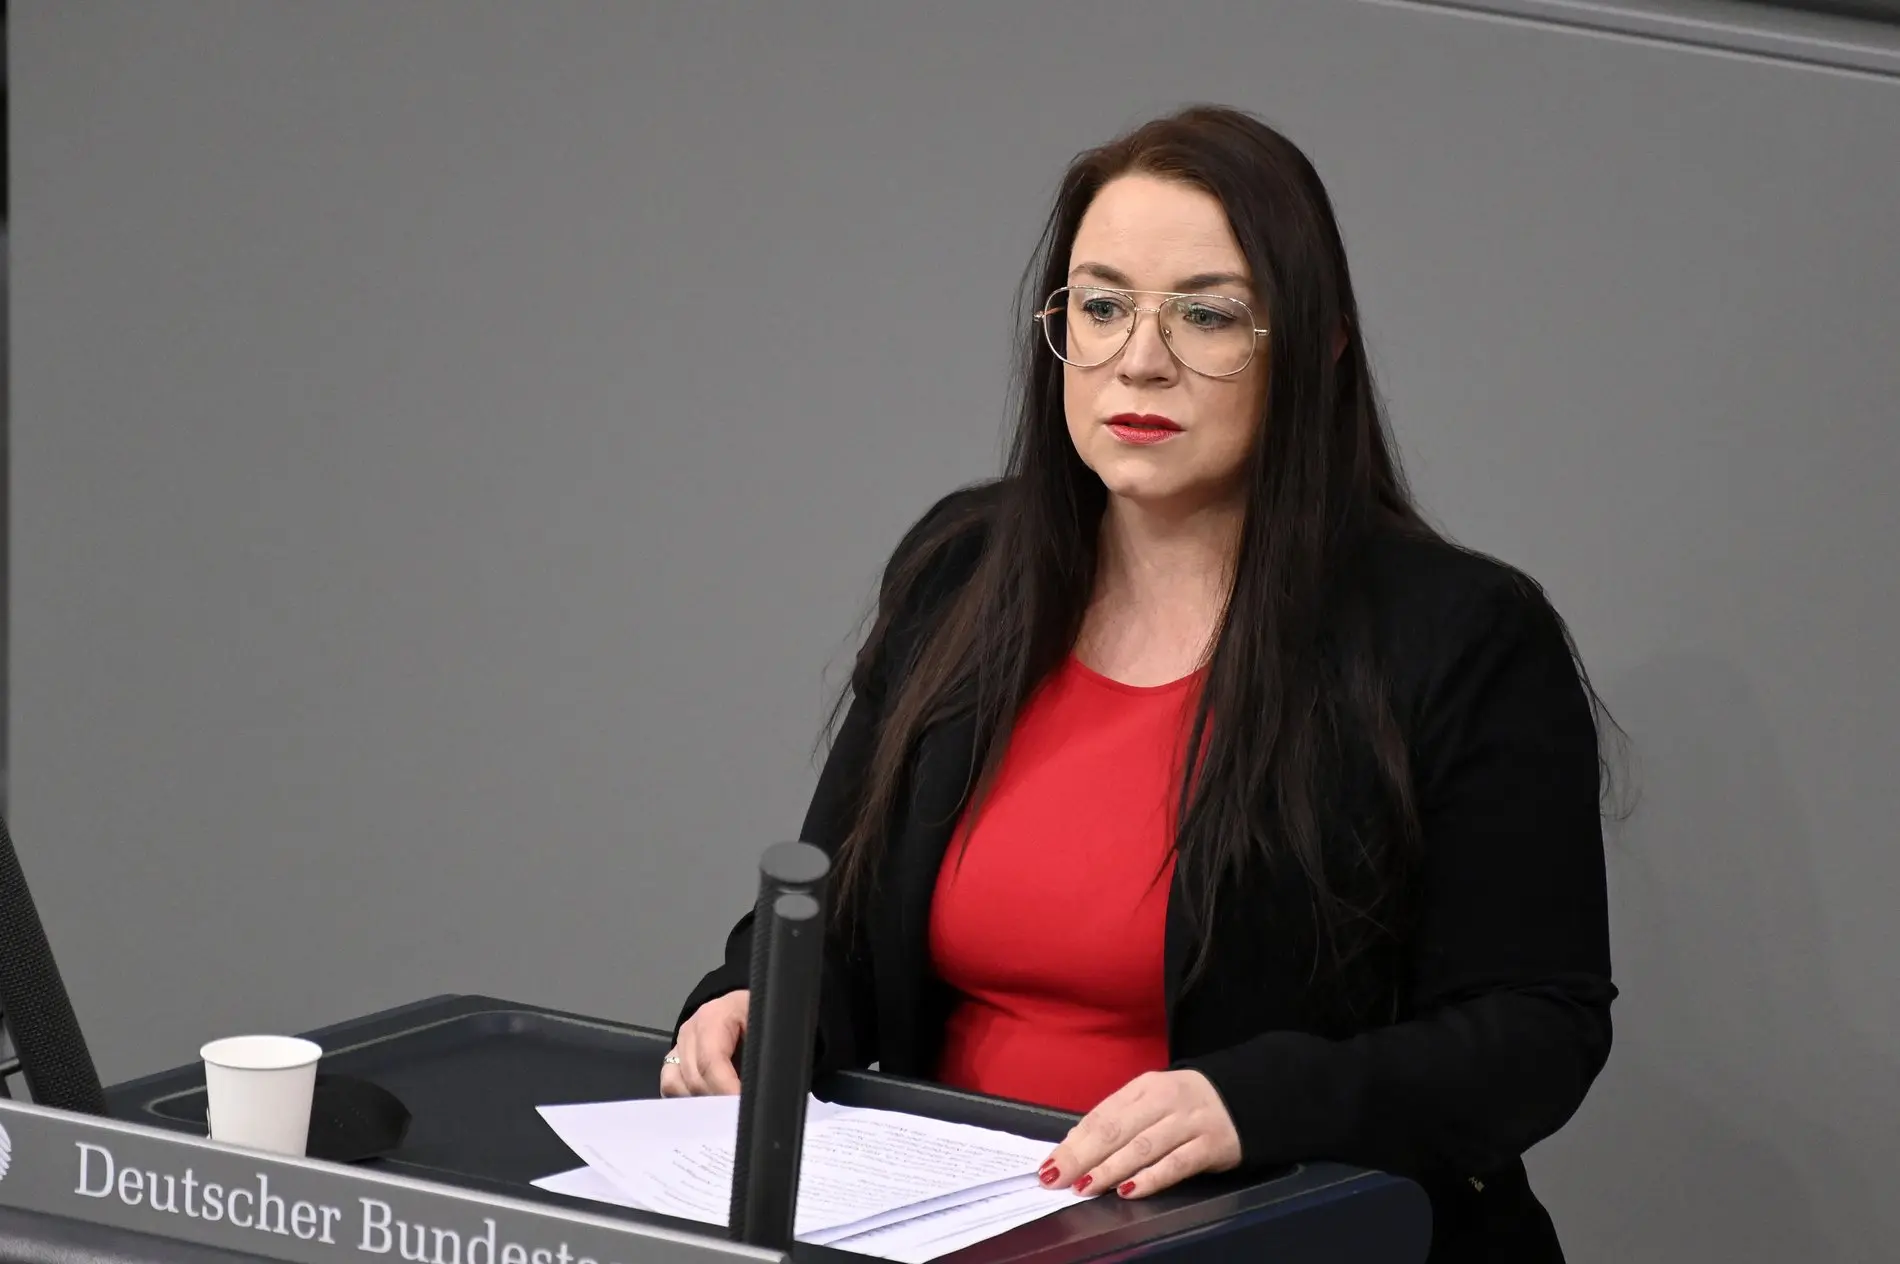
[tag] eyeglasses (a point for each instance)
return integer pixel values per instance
(1211, 334)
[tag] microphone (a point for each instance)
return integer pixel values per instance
(788, 937)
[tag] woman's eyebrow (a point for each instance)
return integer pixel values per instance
(1187, 285)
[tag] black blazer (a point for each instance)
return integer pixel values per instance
(1494, 1020)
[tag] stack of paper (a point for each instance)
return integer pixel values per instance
(877, 1182)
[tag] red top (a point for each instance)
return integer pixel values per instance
(1049, 924)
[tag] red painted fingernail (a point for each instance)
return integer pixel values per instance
(1048, 1173)
(1082, 1185)
(1125, 1188)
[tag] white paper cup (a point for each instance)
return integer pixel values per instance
(258, 1090)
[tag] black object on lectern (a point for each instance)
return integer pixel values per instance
(476, 1071)
(788, 935)
(48, 1048)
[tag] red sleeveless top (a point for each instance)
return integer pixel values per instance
(1049, 924)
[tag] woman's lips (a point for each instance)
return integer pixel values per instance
(1142, 429)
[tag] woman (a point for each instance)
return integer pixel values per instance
(1189, 780)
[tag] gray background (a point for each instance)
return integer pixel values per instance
(453, 445)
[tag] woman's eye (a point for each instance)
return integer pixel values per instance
(1103, 310)
(1205, 316)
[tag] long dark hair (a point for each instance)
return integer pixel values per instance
(1292, 654)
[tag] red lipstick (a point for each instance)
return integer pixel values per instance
(1142, 428)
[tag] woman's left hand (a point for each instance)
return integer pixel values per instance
(1158, 1129)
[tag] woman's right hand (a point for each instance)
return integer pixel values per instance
(707, 1043)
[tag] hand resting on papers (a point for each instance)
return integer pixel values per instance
(1155, 1131)
(707, 1042)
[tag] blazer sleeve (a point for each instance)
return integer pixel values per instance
(1506, 1020)
(847, 1020)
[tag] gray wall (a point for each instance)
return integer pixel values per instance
(453, 444)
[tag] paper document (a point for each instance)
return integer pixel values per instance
(950, 1229)
(901, 1186)
(586, 1182)
(913, 1241)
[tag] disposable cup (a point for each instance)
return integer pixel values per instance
(258, 1091)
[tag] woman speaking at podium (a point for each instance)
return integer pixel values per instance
(1189, 780)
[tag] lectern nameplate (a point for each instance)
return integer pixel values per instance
(304, 1211)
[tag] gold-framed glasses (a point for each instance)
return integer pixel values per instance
(1088, 325)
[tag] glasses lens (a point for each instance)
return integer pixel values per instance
(1211, 333)
(1086, 327)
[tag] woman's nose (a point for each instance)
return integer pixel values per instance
(1146, 353)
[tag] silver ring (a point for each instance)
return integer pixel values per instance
(671, 1059)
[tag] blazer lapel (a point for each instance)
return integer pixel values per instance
(1178, 945)
(942, 770)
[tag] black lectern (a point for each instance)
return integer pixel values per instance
(472, 1071)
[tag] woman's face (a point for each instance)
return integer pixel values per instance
(1155, 431)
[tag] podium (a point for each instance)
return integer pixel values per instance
(472, 1070)
(127, 1174)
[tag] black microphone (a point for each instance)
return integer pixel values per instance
(788, 935)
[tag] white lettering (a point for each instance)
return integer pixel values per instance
(562, 1257)
(131, 1186)
(171, 1193)
(486, 1241)
(513, 1253)
(330, 1216)
(265, 1202)
(191, 1187)
(230, 1208)
(303, 1221)
(542, 1256)
(86, 1151)
(214, 1201)
(376, 1214)
(453, 1240)
(421, 1254)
